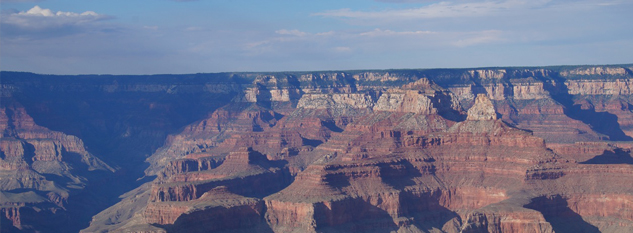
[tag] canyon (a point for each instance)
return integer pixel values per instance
(515, 149)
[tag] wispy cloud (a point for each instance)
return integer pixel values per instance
(295, 41)
(40, 23)
(482, 37)
(291, 32)
(438, 10)
(380, 32)
(462, 8)
(194, 28)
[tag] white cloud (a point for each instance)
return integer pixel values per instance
(38, 11)
(291, 32)
(38, 23)
(328, 33)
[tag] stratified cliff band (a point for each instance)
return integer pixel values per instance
(537, 149)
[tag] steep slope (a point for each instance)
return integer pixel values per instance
(40, 170)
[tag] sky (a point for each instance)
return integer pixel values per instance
(202, 36)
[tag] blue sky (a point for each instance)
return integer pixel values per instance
(167, 36)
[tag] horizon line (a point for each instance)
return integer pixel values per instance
(320, 71)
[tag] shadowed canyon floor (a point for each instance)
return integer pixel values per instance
(538, 149)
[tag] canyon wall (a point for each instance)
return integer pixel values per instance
(442, 150)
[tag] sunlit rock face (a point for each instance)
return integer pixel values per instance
(482, 110)
(543, 149)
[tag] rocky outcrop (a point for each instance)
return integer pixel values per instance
(335, 101)
(600, 87)
(520, 220)
(409, 101)
(376, 76)
(262, 94)
(482, 110)
(601, 71)
(486, 74)
(530, 90)
(419, 97)
(521, 89)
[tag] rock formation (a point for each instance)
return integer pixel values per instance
(482, 110)
(39, 169)
(443, 150)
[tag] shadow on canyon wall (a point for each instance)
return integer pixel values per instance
(601, 122)
(122, 129)
(556, 211)
(617, 156)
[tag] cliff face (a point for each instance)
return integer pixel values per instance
(39, 169)
(447, 150)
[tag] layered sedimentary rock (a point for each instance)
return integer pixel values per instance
(39, 170)
(407, 158)
(383, 187)
(335, 101)
(440, 150)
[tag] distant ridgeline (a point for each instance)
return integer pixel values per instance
(362, 77)
(501, 149)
